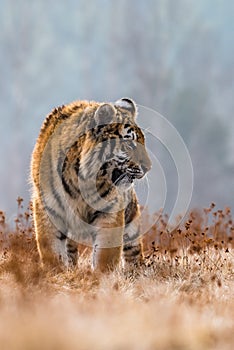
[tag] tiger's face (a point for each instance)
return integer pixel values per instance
(122, 143)
(130, 159)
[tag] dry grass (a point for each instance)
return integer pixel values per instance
(182, 298)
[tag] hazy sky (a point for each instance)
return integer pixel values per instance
(174, 57)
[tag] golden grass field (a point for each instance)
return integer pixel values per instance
(181, 298)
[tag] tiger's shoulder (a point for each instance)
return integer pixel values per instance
(57, 116)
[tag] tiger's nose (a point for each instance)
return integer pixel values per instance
(146, 166)
(145, 169)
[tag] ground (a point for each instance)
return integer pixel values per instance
(182, 297)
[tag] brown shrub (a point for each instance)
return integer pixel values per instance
(180, 298)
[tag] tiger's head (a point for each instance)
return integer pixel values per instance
(119, 145)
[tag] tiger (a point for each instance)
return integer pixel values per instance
(83, 167)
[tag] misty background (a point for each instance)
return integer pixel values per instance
(176, 57)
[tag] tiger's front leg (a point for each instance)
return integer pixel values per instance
(108, 243)
(53, 245)
(49, 241)
(132, 241)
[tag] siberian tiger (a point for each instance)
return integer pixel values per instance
(83, 166)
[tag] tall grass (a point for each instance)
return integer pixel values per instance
(182, 297)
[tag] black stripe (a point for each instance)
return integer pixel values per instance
(63, 116)
(61, 167)
(116, 132)
(107, 191)
(103, 172)
(71, 250)
(62, 236)
(94, 129)
(97, 190)
(66, 186)
(51, 182)
(98, 129)
(134, 252)
(127, 247)
(56, 195)
(114, 201)
(77, 165)
(92, 216)
(101, 185)
(104, 168)
(60, 160)
(130, 211)
(54, 213)
(70, 245)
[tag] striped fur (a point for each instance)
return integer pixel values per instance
(85, 160)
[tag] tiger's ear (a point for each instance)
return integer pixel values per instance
(127, 104)
(105, 114)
